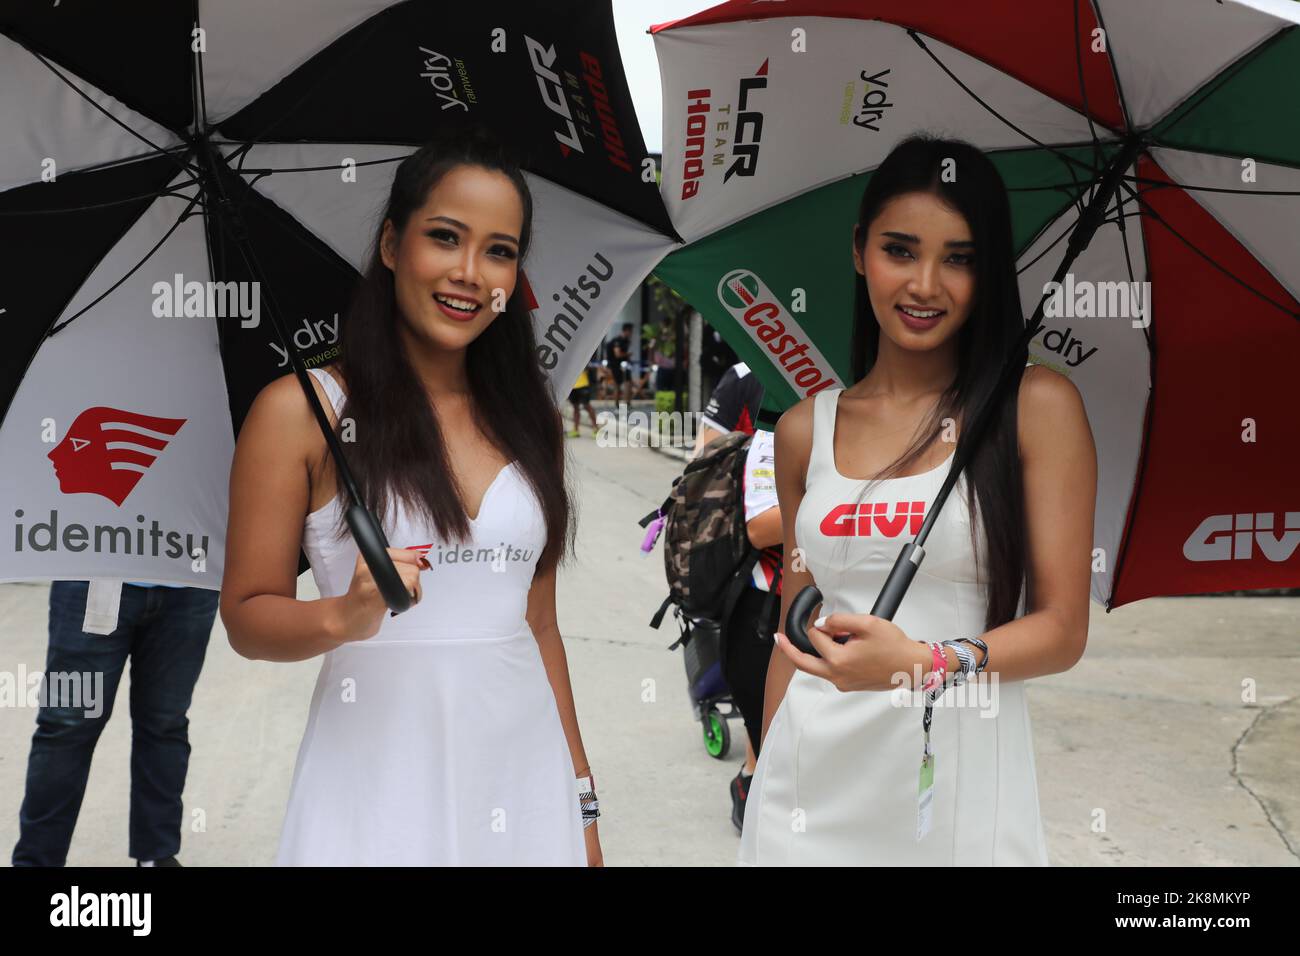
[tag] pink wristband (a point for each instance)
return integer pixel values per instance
(940, 671)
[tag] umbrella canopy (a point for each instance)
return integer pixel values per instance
(187, 193)
(1179, 322)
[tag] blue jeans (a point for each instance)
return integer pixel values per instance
(165, 633)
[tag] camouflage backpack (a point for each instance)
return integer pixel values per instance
(706, 547)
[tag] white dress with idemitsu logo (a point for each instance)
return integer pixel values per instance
(438, 740)
(837, 778)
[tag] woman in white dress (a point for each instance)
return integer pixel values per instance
(840, 777)
(445, 735)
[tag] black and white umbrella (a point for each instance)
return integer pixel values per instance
(187, 191)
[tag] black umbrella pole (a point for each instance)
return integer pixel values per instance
(909, 559)
(366, 531)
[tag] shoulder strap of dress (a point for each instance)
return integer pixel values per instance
(825, 405)
(331, 388)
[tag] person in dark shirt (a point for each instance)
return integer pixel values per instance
(617, 352)
(747, 633)
(733, 406)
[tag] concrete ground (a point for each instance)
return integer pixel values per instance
(1146, 752)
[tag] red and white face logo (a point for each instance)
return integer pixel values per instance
(873, 519)
(107, 450)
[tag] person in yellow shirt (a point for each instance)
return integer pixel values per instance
(579, 398)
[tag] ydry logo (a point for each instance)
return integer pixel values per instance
(869, 519)
(1235, 537)
(107, 451)
(753, 304)
(438, 69)
(1065, 344)
(874, 101)
(749, 127)
(211, 300)
(308, 335)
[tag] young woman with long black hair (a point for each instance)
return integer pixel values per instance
(446, 734)
(842, 776)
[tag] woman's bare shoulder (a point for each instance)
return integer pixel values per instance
(281, 406)
(1050, 412)
(794, 431)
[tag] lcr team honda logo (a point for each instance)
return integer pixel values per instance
(1234, 537)
(107, 450)
(552, 90)
(749, 122)
(756, 308)
(859, 520)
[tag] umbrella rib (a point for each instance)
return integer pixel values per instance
(171, 191)
(1066, 157)
(1083, 91)
(313, 169)
(357, 34)
(1055, 242)
(1161, 184)
(113, 163)
(1069, 160)
(1128, 261)
(140, 136)
(1188, 243)
(135, 268)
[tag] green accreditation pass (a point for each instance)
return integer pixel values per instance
(925, 797)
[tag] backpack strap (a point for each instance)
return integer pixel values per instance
(659, 614)
(663, 509)
(736, 586)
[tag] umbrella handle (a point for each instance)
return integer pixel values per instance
(374, 548)
(887, 602)
(800, 608)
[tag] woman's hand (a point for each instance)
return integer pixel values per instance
(876, 656)
(594, 856)
(363, 607)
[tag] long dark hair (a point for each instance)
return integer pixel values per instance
(984, 343)
(398, 449)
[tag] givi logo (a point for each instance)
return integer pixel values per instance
(873, 518)
(1234, 537)
(107, 450)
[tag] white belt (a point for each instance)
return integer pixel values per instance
(103, 601)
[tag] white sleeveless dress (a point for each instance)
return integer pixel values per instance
(837, 778)
(438, 740)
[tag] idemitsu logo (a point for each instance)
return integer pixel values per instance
(754, 305)
(107, 450)
(1233, 537)
(858, 520)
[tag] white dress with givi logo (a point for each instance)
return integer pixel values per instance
(438, 740)
(837, 778)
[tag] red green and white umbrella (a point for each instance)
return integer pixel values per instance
(775, 113)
